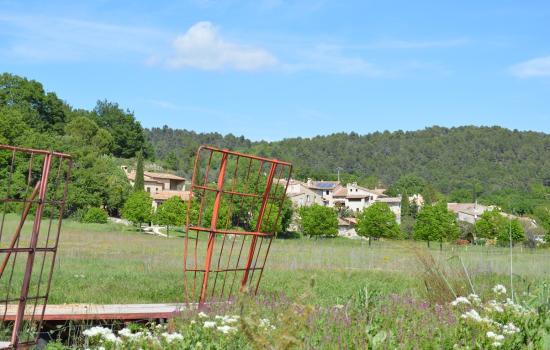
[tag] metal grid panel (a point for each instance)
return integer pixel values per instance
(33, 190)
(232, 216)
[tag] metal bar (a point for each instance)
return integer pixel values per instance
(15, 237)
(37, 151)
(206, 188)
(31, 255)
(258, 224)
(213, 225)
(231, 232)
(267, 160)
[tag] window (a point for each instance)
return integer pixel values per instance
(149, 189)
(326, 192)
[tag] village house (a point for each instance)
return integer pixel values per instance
(352, 197)
(470, 212)
(301, 195)
(161, 186)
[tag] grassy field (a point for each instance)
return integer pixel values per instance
(115, 264)
(345, 291)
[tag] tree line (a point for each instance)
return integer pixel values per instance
(97, 139)
(491, 165)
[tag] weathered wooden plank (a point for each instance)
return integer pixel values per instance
(102, 312)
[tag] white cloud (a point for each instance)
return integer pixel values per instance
(202, 47)
(537, 67)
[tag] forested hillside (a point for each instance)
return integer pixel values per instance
(492, 164)
(31, 117)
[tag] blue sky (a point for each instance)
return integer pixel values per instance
(270, 69)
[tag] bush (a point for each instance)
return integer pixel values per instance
(318, 220)
(95, 216)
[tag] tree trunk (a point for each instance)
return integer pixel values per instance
(440, 245)
(167, 231)
(428, 243)
(369, 240)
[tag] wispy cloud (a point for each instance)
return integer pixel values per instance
(418, 44)
(332, 59)
(41, 38)
(202, 47)
(536, 67)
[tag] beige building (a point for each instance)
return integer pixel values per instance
(161, 186)
(332, 194)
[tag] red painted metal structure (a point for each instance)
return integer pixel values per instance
(33, 187)
(233, 214)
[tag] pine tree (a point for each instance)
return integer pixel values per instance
(139, 184)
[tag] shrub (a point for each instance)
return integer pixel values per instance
(137, 208)
(318, 220)
(377, 221)
(95, 216)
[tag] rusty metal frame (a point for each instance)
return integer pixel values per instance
(217, 174)
(40, 248)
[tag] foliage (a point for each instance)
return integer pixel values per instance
(493, 225)
(377, 220)
(127, 132)
(318, 220)
(405, 205)
(435, 223)
(139, 181)
(31, 117)
(171, 213)
(137, 208)
(95, 216)
(457, 162)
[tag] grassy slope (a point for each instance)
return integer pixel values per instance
(121, 266)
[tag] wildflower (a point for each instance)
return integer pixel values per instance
(125, 332)
(474, 298)
(460, 300)
(510, 328)
(96, 331)
(496, 344)
(499, 289)
(474, 316)
(110, 337)
(171, 337)
(493, 305)
(203, 315)
(227, 319)
(209, 324)
(226, 329)
(495, 337)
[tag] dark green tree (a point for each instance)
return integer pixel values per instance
(138, 208)
(435, 223)
(171, 213)
(139, 181)
(405, 205)
(318, 220)
(377, 220)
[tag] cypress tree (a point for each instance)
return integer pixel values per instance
(139, 183)
(405, 205)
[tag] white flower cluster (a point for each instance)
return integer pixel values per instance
(460, 300)
(499, 289)
(100, 336)
(504, 311)
(224, 325)
(473, 315)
